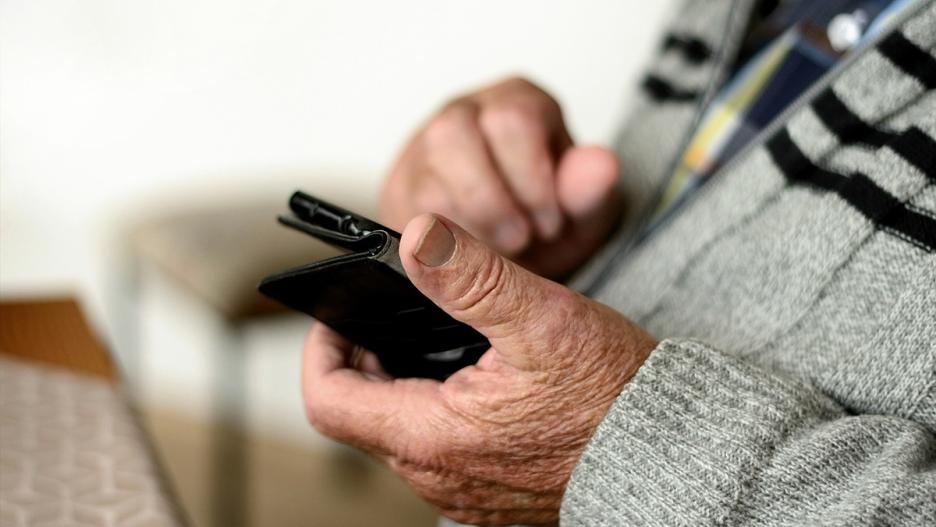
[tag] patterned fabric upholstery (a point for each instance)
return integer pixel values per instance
(71, 454)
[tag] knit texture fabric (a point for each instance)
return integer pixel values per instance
(795, 295)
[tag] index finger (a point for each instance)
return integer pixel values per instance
(458, 156)
(395, 416)
(520, 137)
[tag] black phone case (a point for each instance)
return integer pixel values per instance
(365, 295)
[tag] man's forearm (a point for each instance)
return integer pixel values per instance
(700, 437)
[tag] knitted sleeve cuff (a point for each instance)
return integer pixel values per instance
(685, 437)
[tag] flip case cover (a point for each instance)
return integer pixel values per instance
(365, 295)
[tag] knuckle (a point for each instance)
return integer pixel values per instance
(519, 82)
(549, 104)
(515, 118)
(314, 415)
(448, 125)
(318, 413)
(531, 92)
(472, 411)
(429, 483)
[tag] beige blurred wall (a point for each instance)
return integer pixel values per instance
(107, 103)
(114, 110)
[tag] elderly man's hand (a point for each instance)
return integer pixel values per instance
(496, 442)
(501, 163)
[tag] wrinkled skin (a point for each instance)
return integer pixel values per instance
(495, 443)
(501, 163)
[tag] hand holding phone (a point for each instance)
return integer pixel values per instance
(365, 295)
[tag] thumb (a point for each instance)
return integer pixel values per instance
(585, 181)
(523, 315)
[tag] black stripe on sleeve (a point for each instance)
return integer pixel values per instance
(915, 227)
(866, 196)
(791, 160)
(918, 148)
(914, 145)
(910, 58)
(661, 90)
(844, 123)
(858, 190)
(695, 50)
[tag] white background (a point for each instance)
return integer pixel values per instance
(112, 108)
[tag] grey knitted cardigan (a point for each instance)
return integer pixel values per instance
(795, 297)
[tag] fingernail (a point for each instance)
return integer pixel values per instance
(436, 246)
(510, 235)
(548, 221)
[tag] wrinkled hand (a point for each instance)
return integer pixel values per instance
(496, 442)
(501, 163)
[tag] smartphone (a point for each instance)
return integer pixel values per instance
(366, 296)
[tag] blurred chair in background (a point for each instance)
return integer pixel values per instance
(216, 254)
(71, 450)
